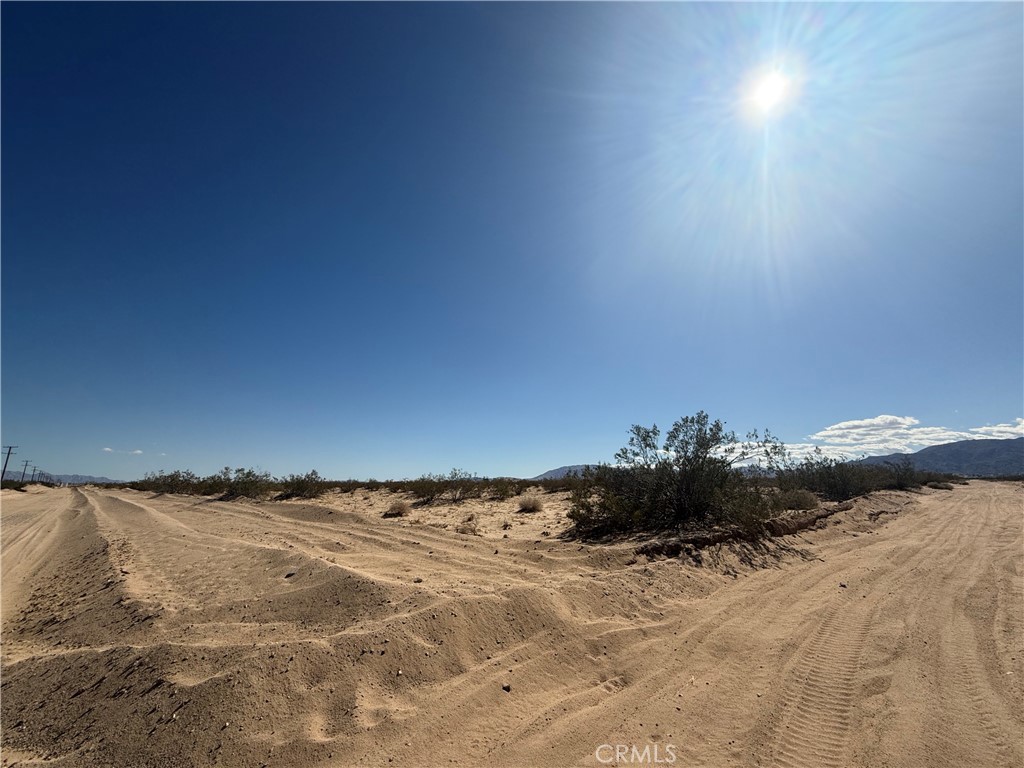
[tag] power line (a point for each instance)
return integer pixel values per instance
(10, 450)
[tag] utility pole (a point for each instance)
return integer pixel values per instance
(34, 470)
(10, 450)
(24, 469)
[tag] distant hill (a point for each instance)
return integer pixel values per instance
(69, 479)
(558, 474)
(973, 458)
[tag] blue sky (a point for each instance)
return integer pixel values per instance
(389, 239)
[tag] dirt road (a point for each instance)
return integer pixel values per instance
(141, 631)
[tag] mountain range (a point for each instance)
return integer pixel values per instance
(558, 474)
(971, 458)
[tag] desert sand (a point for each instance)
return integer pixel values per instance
(181, 631)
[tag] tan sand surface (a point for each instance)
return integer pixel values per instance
(143, 630)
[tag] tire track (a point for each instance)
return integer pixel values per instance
(989, 745)
(816, 724)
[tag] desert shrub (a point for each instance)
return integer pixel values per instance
(458, 485)
(167, 482)
(797, 498)
(902, 473)
(426, 488)
(307, 486)
(834, 479)
(565, 484)
(502, 488)
(344, 486)
(530, 504)
(249, 483)
(940, 486)
(744, 503)
(692, 478)
(461, 485)
(468, 526)
(397, 509)
(14, 485)
(926, 477)
(215, 485)
(838, 480)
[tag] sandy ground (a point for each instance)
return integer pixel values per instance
(175, 631)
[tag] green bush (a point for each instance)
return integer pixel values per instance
(426, 488)
(458, 485)
(307, 486)
(925, 477)
(838, 480)
(834, 479)
(565, 484)
(693, 478)
(250, 484)
(462, 485)
(798, 498)
(502, 488)
(902, 473)
(227, 484)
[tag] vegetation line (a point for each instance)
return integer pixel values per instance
(699, 477)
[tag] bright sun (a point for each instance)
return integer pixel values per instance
(770, 92)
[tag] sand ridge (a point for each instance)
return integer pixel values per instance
(167, 630)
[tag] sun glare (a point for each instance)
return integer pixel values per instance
(770, 92)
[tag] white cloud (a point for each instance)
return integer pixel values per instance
(108, 450)
(136, 452)
(1002, 431)
(861, 431)
(900, 434)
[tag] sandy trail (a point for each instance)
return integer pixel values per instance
(180, 631)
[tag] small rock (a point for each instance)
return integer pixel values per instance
(506, 688)
(842, 584)
(417, 580)
(289, 574)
